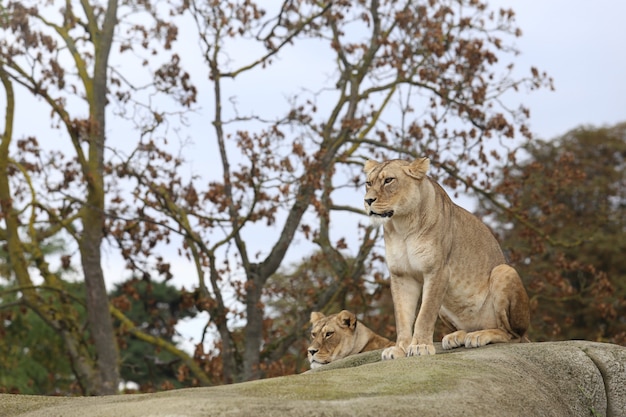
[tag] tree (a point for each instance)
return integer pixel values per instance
(88, 139)
(565, 230)
(33, 353)
(33, 357)
(291, 174)
(62, 56)
(156, 308)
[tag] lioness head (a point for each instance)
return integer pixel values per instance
(332, 337)
(387, 184)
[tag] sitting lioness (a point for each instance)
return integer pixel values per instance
(340, 335)
(439, 251)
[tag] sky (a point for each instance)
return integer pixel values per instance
(581, 45)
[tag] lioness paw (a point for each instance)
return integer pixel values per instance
(476, 339)
(454, 340)
(421, 350)
(393, 352)
(485, 337)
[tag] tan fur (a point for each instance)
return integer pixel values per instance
(339, 335)
(440, 252)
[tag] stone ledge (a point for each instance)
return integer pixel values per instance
(572, 378)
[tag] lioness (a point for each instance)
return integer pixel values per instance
(439, 251)
(340, 335)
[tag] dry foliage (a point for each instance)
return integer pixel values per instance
(403, 79)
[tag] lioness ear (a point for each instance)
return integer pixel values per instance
(316, 316)
(347, 319)
(369, 166)
(418, 168)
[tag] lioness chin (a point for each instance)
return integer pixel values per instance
(338, 336)
(442, 253)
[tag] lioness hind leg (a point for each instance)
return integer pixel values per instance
(510, 302)
(506, 308)
(510, 309)
(454, 340)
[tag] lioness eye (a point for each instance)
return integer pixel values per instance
(388, 180)
(312, 335)
(329, 334)
(368, 183)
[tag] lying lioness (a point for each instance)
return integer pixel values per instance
(439, 251)
(340, 335)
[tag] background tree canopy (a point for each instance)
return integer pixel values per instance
(565, 232)
(115, 172)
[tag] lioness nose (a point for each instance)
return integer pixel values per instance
(313, 351)
(369, 201)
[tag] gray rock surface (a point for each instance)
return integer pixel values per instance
(573, 378)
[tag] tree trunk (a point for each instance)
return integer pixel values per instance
(63, 324)
(99, 318)
(254, 328)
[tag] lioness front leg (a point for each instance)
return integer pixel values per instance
(422, 341)
(405, 293)
(393, 352)
(484, 337)
(474, 339)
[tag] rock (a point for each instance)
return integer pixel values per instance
(573, 378)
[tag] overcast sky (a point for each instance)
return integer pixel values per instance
(580, 43)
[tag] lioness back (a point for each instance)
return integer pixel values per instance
(470, 240)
